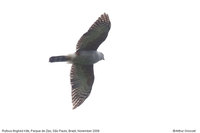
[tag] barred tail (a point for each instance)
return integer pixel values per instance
(59, 58)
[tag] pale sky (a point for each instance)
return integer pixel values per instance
(148, 82)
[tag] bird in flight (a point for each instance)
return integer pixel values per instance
(82, 74)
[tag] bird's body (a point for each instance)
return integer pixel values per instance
(82, 75)
(87, 57)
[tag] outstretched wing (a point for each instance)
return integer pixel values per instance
(96, 34)
(82, 78)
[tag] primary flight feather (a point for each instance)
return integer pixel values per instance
(82, 74)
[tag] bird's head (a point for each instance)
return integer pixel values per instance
(101, 56)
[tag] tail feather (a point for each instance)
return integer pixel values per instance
(58, 58)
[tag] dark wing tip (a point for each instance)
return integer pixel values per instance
(103, 19)
(77, 103)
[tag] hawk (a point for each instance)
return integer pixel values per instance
(82, 74)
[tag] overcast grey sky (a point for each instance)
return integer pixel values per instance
(149, 81)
